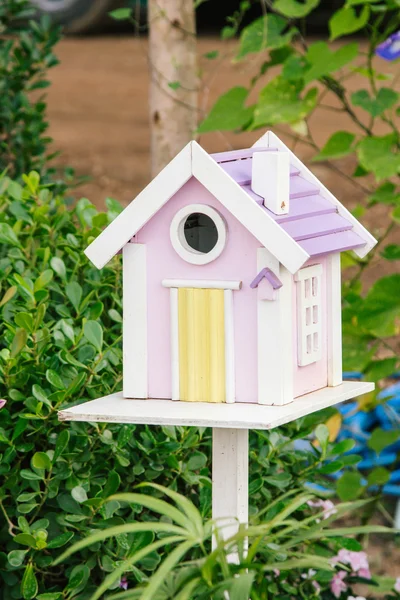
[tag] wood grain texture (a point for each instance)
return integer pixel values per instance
(117, 409)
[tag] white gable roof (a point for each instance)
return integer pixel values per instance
(196, 162)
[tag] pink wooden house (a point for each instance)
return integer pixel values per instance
(231, 275)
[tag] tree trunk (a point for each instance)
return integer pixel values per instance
(173, 78)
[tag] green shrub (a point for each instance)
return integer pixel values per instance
(26, 53)
(60, 343)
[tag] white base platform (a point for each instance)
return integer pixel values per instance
(116, 409)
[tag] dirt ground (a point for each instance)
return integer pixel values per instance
(98, 113)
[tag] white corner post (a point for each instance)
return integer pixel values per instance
(334, 320)
(275, 337)
(230, 481)
(134, 345)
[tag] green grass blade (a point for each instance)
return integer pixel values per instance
(186, 505)
(159, 506)
(113, 531)
(305, 561)
(186, 591)
(129, 562)
(166, 567)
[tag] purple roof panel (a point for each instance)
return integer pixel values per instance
(336, 242)
(320, 225)
(313, 220)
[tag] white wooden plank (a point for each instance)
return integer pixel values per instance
(230, 482)
(274, 142)
(230, 392)
(174, 343)
(134, 346)
(254, 217)
(209, 284)
(334, 320)
(240, 415)
(137, 213)
(275, 334)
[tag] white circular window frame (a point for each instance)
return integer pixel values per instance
(178, 239)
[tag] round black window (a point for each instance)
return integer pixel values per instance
(200, 232)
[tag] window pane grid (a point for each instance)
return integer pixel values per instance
(308, 281)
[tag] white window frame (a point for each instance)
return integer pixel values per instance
(178, 240)
(309, 315)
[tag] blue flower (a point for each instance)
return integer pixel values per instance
(390, 48)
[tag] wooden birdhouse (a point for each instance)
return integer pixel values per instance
(231, 280)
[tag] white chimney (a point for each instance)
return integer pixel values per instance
(270, 179)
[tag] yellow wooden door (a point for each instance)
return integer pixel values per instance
(201, 345)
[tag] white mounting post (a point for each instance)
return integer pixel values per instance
(230, 481)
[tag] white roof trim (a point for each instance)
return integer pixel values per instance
(254, 217)
(193, 160)
(140, 211)
(271, 140)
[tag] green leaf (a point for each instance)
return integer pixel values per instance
(349, 486)
(43, 280)
(322, 60)
(265, 32)
(40, 394)
(61, 444)
(280, 102)
(322, 435)
(381, 308)
(391, 252)
(197, 461)
(54, 379)
(19, 342)
(58, 266)
(8, 236)
(74, 294)
(241, 586)
(384, 99)
(385, 194)
(121, 14)
(93, 332)
(381, 438)
(50, 596)
(346, 21)
(228, 112)
(24, 320)
(79, 494)
(9, 294)
(25, 539)
(16, 557)
(112, 484)
(378, 476)
(295, 10)
(338, 145)
(40, 460)
(377, 155)
(60, 540)
(379, 369)
(29, 585)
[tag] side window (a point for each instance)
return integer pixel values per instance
(309, 314)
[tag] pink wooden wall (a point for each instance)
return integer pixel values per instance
(238, 261)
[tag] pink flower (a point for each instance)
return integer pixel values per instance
(366, 573)
(2, 403)
(327, 506)
(337, 584)
(397, 585)
(277, 572)
(358, 562)
(316, 585)
(123, 584)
